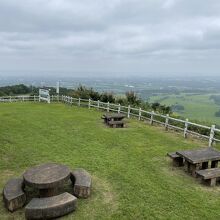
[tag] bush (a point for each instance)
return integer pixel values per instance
(217, 114)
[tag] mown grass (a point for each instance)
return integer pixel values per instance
(132, 177)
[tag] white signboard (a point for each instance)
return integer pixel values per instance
(44, 95)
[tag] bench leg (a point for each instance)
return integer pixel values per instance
(214, 164)
(211, 182)
(205, 165)
(178, 162)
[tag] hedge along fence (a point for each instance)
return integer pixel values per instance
(212, 134)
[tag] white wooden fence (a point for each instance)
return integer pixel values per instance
(185, 126)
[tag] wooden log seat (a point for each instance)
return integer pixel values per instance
(50, 207)
(209, 176)
(13, 194)
(177, 160)
(116, 124)
(82, 182)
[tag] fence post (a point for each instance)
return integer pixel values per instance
(167, 122)
(212, 134)
(71, 100)
(58, 98)
(89, 103)
(52, 98)
(98, 104)
(119, 108)
(129, 110)
(186, 128)
(79, 102)
(10, 98)
(108, 107)
(152, 118)
(34, 98)
(139, 115)
(23, 98)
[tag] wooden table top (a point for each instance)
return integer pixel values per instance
(45, 176)
(200, 155)
(114, 115)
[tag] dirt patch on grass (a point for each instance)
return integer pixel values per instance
(105, 192)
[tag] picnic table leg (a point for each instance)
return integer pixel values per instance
(214, 164)
(47, 192)
(178, 162)
(212, 182)
(194, 168)
(205, 165)
(187, 166)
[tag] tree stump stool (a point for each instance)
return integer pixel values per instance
(13, 194)
(82, 182)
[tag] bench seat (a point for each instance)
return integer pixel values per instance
(82, 182)
(50, 207)
(116, 124)
(177, 160)
(13, 194)
(209, 176)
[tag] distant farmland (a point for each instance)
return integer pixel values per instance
(199, 107)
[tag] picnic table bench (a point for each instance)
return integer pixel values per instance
(177, 160)
(13, 194)
(116, 124)
(209, 176)
(199, 159)
(50, 207)
(82, 182)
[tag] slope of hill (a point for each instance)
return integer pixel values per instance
(132, 177)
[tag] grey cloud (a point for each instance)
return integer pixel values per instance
(118, 34)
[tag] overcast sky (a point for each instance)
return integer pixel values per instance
(116, 37)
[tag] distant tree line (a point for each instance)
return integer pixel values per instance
(130, 98)
(216, 99)
(15, 90)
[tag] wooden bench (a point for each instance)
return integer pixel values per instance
(116, 124)
(13, 194)
(177, 160)
(209, 176)
(82, 182)
(50, 207)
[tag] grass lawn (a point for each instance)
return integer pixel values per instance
(132, 177)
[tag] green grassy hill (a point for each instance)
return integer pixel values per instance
(199, 107)
(132, 177)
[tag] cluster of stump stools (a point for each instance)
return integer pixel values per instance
(200, 163)
(49, 203)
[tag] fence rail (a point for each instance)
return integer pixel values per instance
(212, 134)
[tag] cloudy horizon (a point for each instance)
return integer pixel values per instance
(118, 37)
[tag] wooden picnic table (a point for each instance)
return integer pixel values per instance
(113, 117)
(47, 178)
(199, 159)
